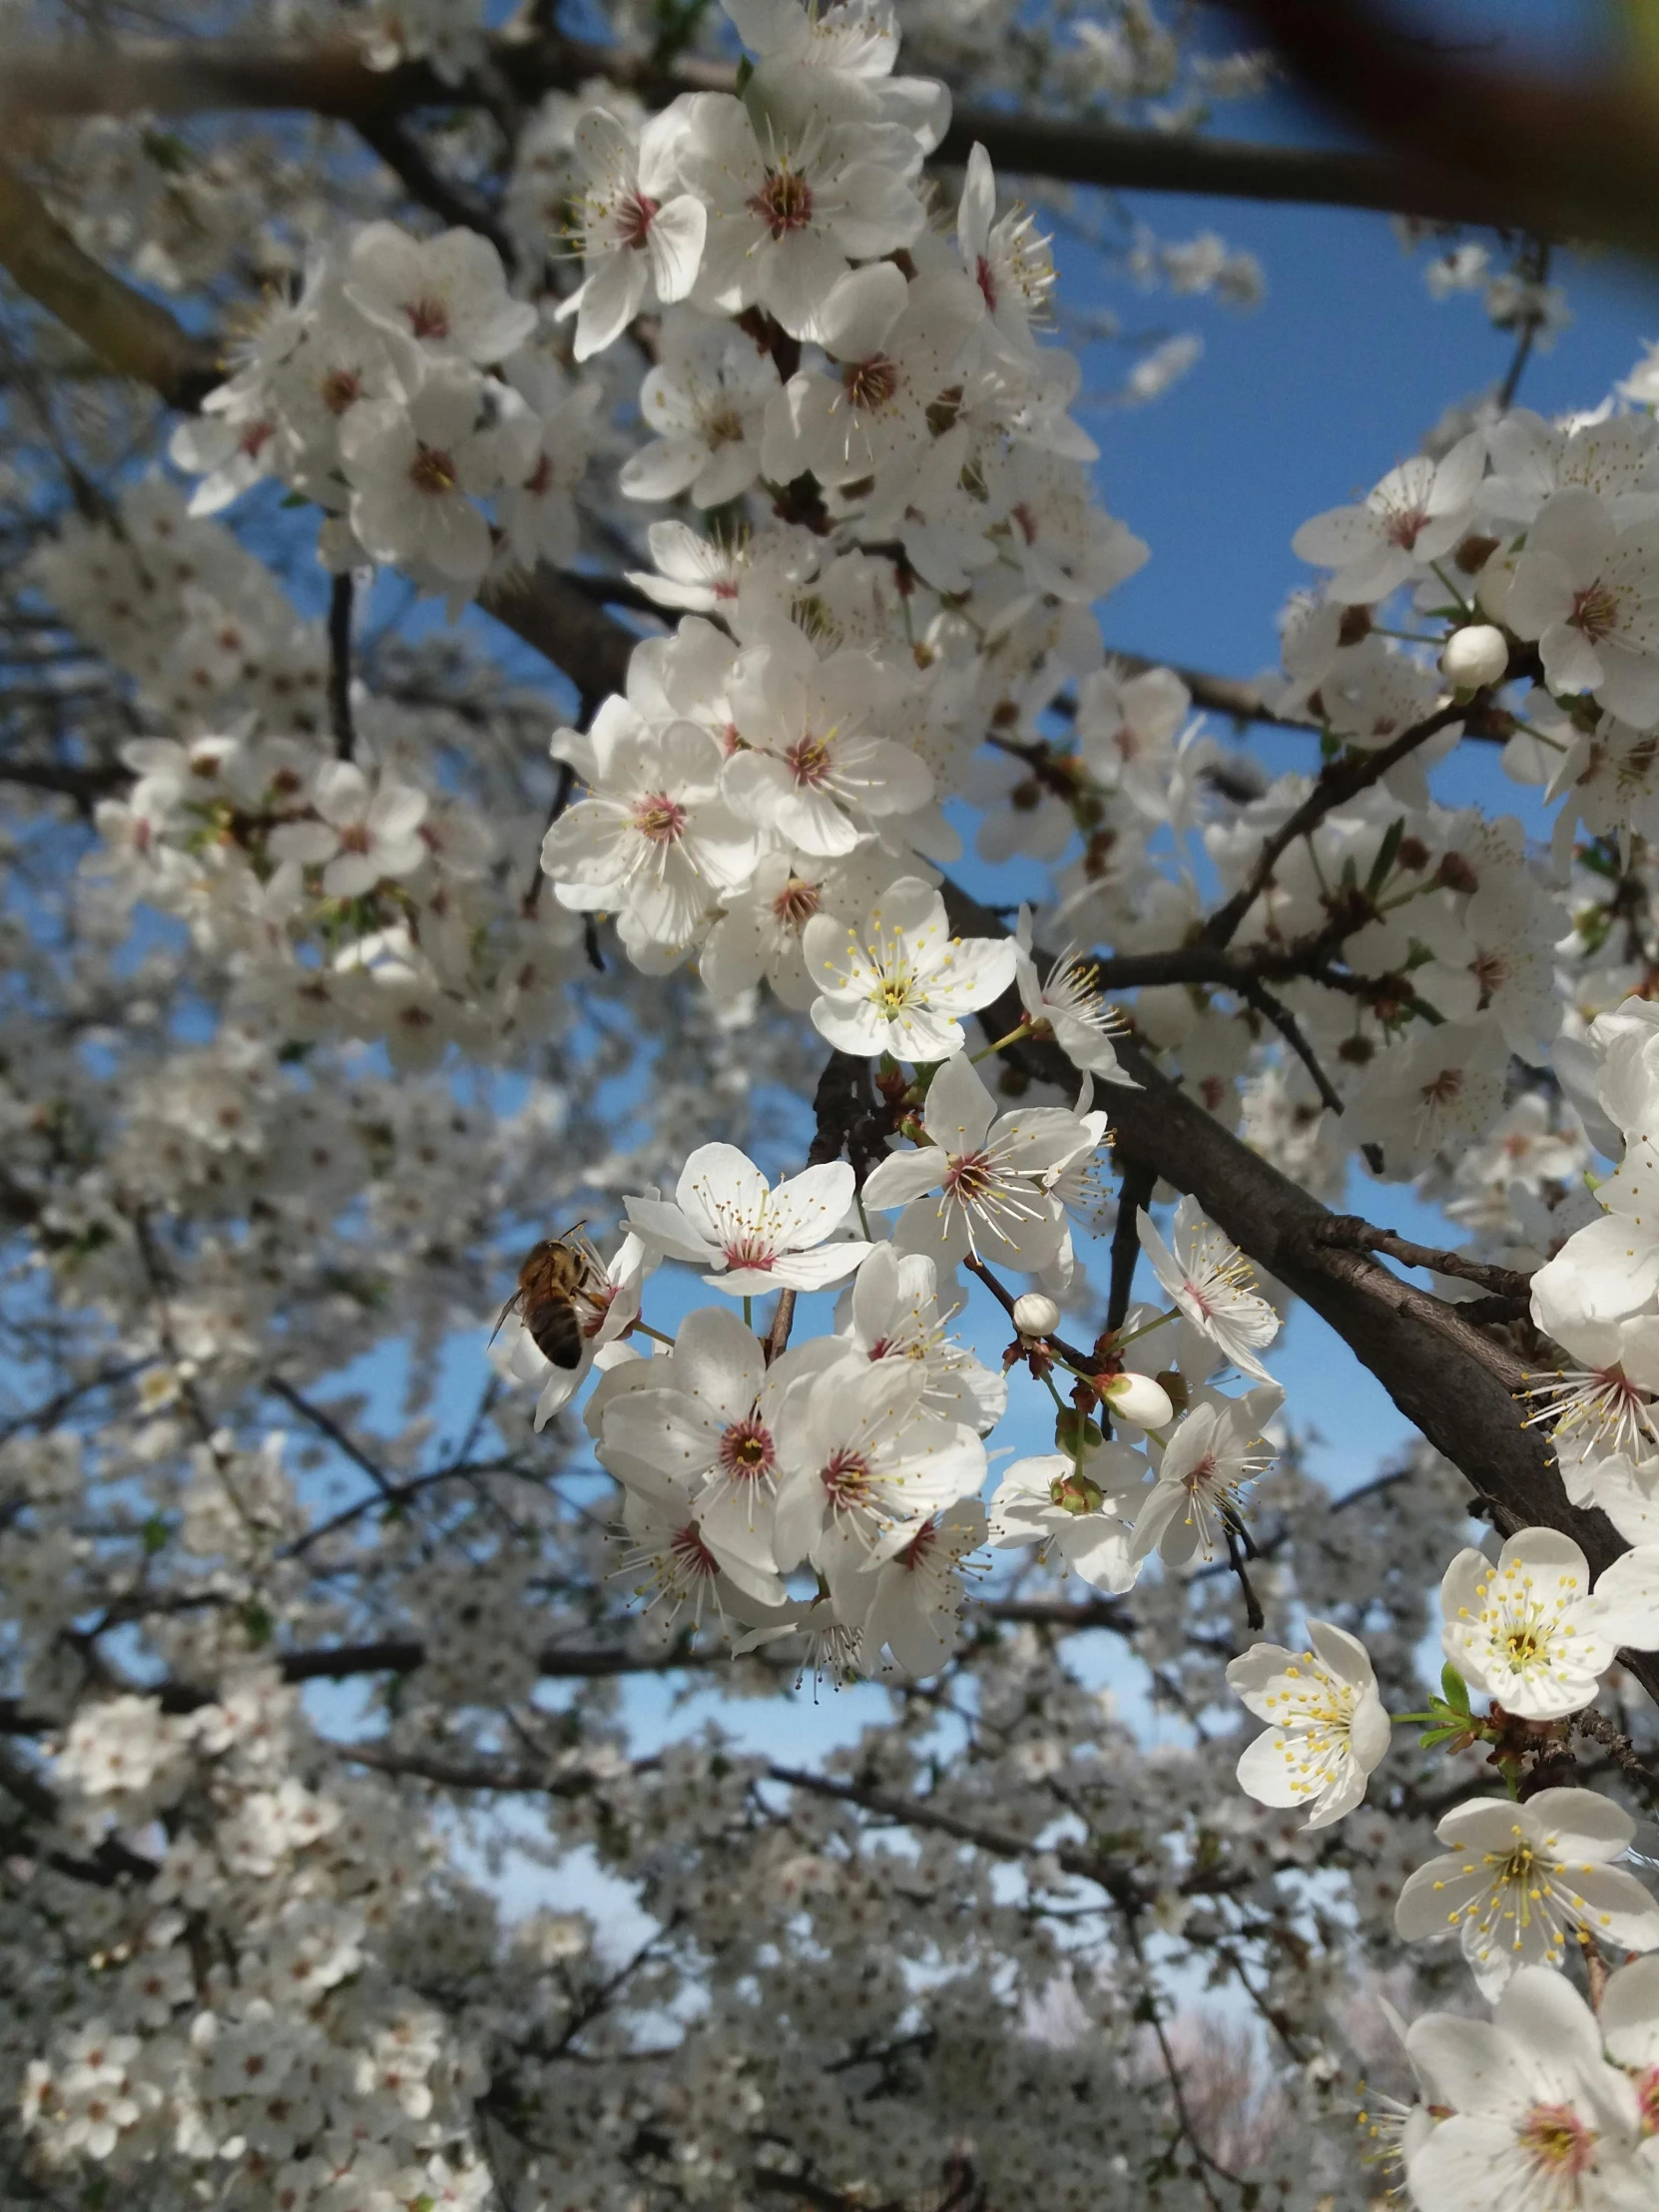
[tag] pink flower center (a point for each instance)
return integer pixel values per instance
(1201, 1474)
(659, 818)
(257, 435)
(808, 763)
(920, 1545)
(432, 471)
(354, 837)
(796, 904)
(1595, 611)
(846, 1481)
(633, 217)
(746, 1450)
(340, 390)
(429, 318)
(1404, 529)
(1492, 972)
(870, 384)
(691, 1555)
(749, 1250)
(1555, 2141)
(1647, 2096)
(1441, 1089)
(969, 1177)
(986, 279)
(783, 203)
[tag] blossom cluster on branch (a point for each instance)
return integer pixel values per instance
(373, 971)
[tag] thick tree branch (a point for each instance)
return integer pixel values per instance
(183, 76)
(134, 334)
(1565, 156)
(1451, 1382)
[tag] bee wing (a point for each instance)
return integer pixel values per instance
(501, 1318)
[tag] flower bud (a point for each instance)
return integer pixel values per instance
(1035, 1315)
(1139, 1399)
(1474, 656)
(1075, 1494)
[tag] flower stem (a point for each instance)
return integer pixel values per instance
(1013, 1037)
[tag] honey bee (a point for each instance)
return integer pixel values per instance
(555, 1295)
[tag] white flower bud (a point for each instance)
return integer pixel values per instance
(1035, 1315)
(1474, 656)
(1139, 1399)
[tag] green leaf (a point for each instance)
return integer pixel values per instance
(258, 1625)
(1387, 853)
(1456, 1688)
(154, 1533)
(746, 70)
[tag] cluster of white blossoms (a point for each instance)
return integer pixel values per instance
(876, 591)
(400, 390)
(857, 1457)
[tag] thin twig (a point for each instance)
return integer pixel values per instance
(1275, 1010)
(1136, 1192)
(777, 1336)
(1357, 1235)
(1084, 1363)
(1535, 269)
(1234, 1554)
(1629, 1760)
(1342, 781)
(339, 665)
(327, 1425)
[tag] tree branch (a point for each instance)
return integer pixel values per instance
(184, 77)
(1342, 781)
(134, 334)
(1452, 1384)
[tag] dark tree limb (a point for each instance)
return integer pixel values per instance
(341, 724)
(330, 78)
(1454, 1384)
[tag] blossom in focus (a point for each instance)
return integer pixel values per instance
(653, 836)
(1522, 1878)
(1204, 1468)
(864, 1465)
(988, 1170)
(915, 1597)
(1211, 1282)
(1080, 1511)
(1415, 515)
(448, 294)
(751, 1237)
(1588, 593)
(1067, 1002)
(1529, 2112)
(898, 983)
(1009, 262)
(705, 399)
(1529, 1631)
(1328, 1727)
(637, 236)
